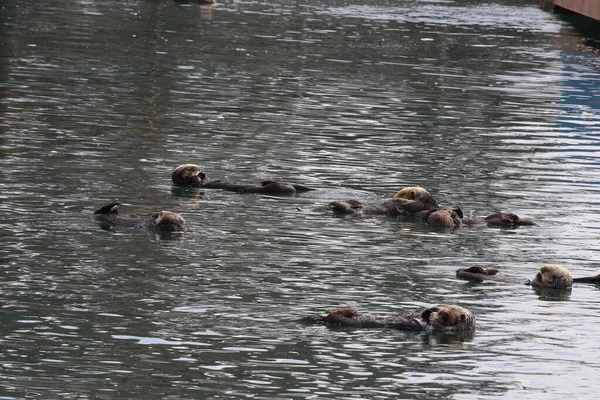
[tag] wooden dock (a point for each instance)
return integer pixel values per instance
(589, 8)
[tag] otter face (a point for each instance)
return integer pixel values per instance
(444, 218)
(411, 193)
(447, 318)
(167, 221)
(553, 276)
(188, 174)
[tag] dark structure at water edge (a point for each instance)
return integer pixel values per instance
(588, 8)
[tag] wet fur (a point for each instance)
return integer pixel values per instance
(443, 318)
(163, 221)
(192, 175)
(499, 219)
(442, 218)
(549, 276)
(407, 202)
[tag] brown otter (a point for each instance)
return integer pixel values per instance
(498, 219)
(163, 221)
(549, 276)
(188, 174)
(192, 175)
(407, 202)
(443, 318)
(442, 218)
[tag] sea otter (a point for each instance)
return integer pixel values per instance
(443, 318)
(550, 276)
(498, 219)
(407, 202)
(192, 175)
(162, 221)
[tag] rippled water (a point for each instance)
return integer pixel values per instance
(489, 104)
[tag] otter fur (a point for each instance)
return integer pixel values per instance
(192, 175)
(188, 175)
(443, 318)
(549, 276)
(498, 219)
(407, 202)
(442, 218)
(162, 221)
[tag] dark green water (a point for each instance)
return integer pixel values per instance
(492, 105)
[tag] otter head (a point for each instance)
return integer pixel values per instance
(415, 199)
(443, 218)
(188, 174)
(167, 221)
(553, 277)
(447, 318)
(411, 193)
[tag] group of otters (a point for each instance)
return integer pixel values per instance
(413, 202)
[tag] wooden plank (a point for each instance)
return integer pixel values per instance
(589, 8)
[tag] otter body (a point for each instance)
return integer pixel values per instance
(498, 219)
(479, 274)
(192, 175)
(444, 318)
(549, 276)
(407, 202)
(163, 221)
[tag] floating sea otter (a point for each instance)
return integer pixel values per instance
(455, 218)
(192, 175)
(499, 219)
(407, 202)
(550, 276)
(443, 318)
(162, 221)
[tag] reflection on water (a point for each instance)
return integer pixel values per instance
(486, 104)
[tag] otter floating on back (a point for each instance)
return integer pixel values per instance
(443, 319)
(407, 202)
(498, 219)
(192, 175)
(162, 221)
(549, 276)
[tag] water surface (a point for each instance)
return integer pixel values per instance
(488, 104)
